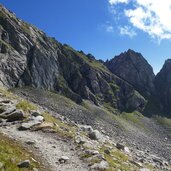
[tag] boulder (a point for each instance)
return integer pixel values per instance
(33, 121)
(6, 109)
(44, 126)
(26, 126)
(11, 114)
(122, 147)
(95, 135)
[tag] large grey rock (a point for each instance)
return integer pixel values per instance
(15, 116)
(11, 114)
(33, 121)
(95, 135)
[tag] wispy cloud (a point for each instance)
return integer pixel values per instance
(150, 16)
(110, 29)
(127, 31)
(113, 2)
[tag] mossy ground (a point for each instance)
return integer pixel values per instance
(11, 153)
(25, 106)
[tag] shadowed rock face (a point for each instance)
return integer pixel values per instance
(163, 87)
(29, 58)
(133, 68)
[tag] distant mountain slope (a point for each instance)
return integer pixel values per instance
(163, 87)
(29, 58)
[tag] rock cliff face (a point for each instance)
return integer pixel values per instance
(163, 87)
(133, 68)
(29, 58)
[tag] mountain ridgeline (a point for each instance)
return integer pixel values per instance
(28, 57)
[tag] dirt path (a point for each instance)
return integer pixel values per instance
(50, 147)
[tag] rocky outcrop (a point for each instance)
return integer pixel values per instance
(132, 67)
(29, 58)
(163, 87)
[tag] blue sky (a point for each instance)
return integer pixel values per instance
(104, 28)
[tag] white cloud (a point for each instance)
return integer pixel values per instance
(109, 29)
(127, 31)
(114, 2)
(150, 16)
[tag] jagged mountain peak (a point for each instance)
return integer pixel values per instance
(132, 67)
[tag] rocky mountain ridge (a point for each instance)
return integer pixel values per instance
(30, 58)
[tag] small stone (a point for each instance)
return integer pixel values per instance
(92, 152)
(30, 142)
(144, 169)
(86, 128)
(1, 165)
(107, 151)
(35, 113)
(38, 119)
(63, 159)
(35, 169)
(79, 140)
(24, 164)
(122, 147)
(138, 164)
(126, 150)
(103, 165)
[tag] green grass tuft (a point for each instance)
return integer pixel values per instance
(164, 121)
(25, 106)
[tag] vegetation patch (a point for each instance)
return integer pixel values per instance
(25, 106)
(11, 153)
(5, 93)
(117, 160)
(164, 121)
(134, 117)
(62, 129)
